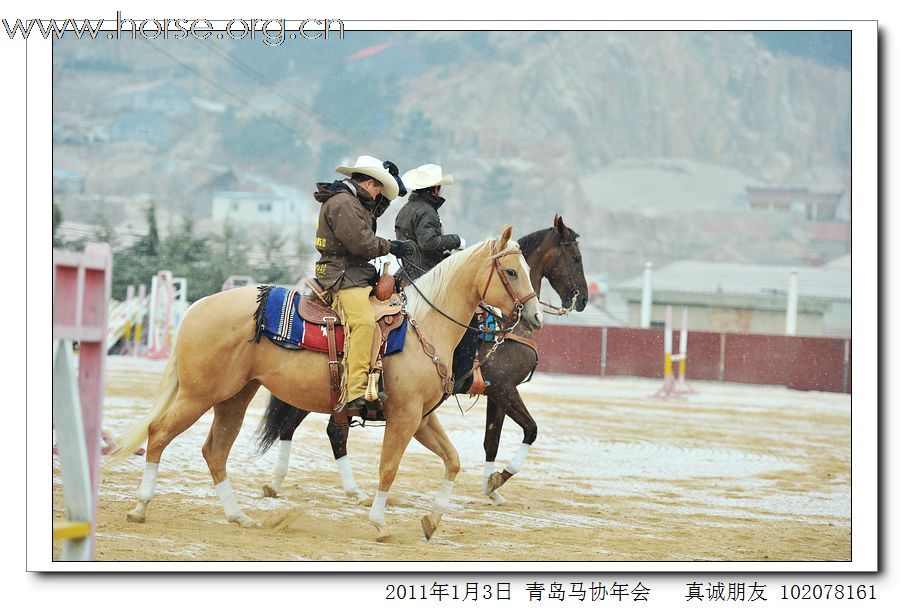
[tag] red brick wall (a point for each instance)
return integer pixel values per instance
(570, 349)
(796, 362)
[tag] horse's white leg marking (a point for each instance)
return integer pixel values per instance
(441, 503)
(497, 479)
(148, 482)
(488, 468)
(349, 485)
(145, 493)
(378, 508)
(231, 507)
(517, 461)
(377, 514)
(282, 465)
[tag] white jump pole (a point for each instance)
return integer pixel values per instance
(791, 312)
(646, 300)
(669, 385)
(138, 333)
(668, 379)
(159, 326)
(130, 323)
(682, 386)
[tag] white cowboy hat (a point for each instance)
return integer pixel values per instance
(373, 167)
(428, 175)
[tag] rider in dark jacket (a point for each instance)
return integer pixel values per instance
(419, 222)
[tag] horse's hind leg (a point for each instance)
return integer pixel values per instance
(432, 435)
(227, 421)
(495, 420)
(281, 468)
(182, 414)
(515, 408)
(338, 435)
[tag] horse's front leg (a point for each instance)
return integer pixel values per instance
(432, 436)
(400, 427)
(515, 408)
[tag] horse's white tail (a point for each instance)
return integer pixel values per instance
(133, 438)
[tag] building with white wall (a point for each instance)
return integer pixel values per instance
(747, 298)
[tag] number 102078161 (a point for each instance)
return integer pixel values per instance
(828, 591)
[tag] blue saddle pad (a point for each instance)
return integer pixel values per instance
(283, 326)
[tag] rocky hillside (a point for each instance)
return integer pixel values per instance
(644, 141)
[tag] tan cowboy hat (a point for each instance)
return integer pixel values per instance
(428, 175)
(373, 167)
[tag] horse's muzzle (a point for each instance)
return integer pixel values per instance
(533, 320)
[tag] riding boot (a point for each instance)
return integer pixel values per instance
(367, 411)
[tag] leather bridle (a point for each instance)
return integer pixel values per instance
(559, 310)
(519, 302)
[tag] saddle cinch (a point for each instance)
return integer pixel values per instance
(388, 314)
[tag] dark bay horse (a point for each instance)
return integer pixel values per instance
(216, 363)
(552, 254)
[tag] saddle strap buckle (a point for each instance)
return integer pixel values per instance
(333, 364)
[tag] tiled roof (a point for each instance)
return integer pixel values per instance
(702, 277)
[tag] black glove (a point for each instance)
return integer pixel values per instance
(401, 248)
(391, 167)
(394, 171)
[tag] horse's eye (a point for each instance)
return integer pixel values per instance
(577, 259)
(511, 273)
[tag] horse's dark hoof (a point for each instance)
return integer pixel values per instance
(497, 479)
(428, 527)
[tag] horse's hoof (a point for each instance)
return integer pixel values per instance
(138, 513)
(383, 533)
(270, 491)
(496, 497)
(360, 498)
(243, 520)
(428, 527)
(494, 482)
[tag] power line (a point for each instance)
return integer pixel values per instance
(224, 90)
(271, 85)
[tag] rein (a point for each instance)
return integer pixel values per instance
(434, 307)
(514, 318)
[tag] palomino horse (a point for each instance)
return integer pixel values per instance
(215, 363)
(552, 254)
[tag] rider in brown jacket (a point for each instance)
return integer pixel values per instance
(346, 241)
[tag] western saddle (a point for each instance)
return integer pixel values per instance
(388, 314)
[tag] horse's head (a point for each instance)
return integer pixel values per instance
(507, 285)
(564, 268)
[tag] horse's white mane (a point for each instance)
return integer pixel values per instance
(436, 284)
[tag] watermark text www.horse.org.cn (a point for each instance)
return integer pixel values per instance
(270, 32)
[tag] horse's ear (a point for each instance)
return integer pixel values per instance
(559, 224)
(504, 238)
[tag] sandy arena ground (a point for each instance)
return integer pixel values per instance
(733, 473)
